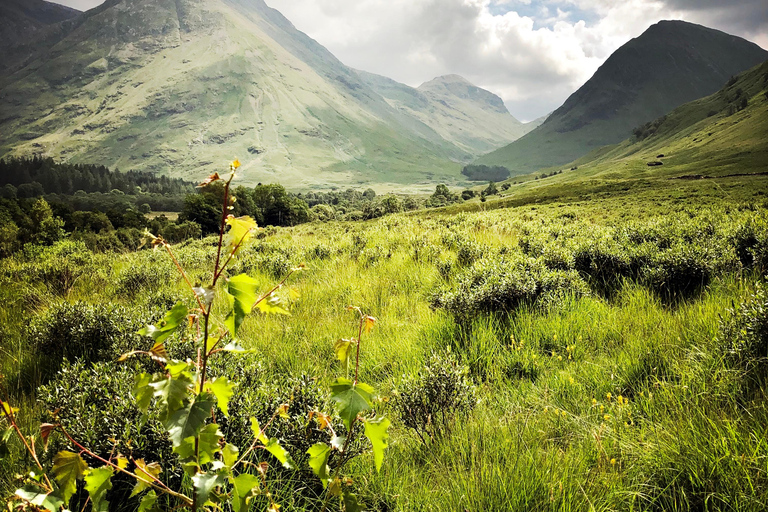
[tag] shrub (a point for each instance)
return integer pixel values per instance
(430, 402)
(603, 264)
(60, 266)
(745, 335)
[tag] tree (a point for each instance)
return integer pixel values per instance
(491, 189)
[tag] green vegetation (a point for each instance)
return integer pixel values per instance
(600, 349)
(485, 173)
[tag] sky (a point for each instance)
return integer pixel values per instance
(532, 53)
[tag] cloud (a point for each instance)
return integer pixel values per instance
(82, 5)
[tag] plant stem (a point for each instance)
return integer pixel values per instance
(359, 338)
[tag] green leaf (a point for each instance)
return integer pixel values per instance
(147, 472)
(172, 320)
(205, 483)
(244, 486)
(223, 389)
(188, 421)
(32, 494)
(318, 461)
(272, 306)
(229, 454)
(207, 445)
(275, 448)
(234, 347)
(148, 502)
(351, 398)
(241, 294)
(343, 349)
(171, 394)
(240, 231)
(376, 431)
(97, 483)
(350, 502)
(257, 433)
(142, 391)
(4, 438)
(68, 468)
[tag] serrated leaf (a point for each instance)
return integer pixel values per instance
(318, 461)
(343, 349)
(210, 179)
(4, 437)
(376, 431)
(274, 447)
(334, 487)
(234, 347)
(241, 294)
(188, 421)
(172, 320)
(97, 483)
(211, 343)
(223, 389)
(121, 461)
(205, 483)
(45, 432)
(147, 503)
(148, 472)
(282, 411)
(158, 352)
(352, 399)
(257, 432)
(142, 391)
(244, 487)
(229, 454)
(207, 445)
(68, 468)
(32, 494)
(350, 503)
(240, 231)
(171, 394)
(10, 411)
(272, 306)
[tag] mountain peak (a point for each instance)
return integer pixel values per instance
(21, 18)
(455, 86)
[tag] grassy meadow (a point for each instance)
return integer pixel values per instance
(601, 353)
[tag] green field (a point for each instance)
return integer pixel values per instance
(584, 345)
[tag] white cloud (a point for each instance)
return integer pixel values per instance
(82, 5)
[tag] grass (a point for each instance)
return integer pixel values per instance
(550, 431)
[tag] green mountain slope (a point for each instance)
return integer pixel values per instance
(673, 62)
(471, 118)
(183, 86)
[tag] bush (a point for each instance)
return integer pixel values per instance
(430, 402)
(60, 266)
(87, 332)
(504, 283)
(745, 335)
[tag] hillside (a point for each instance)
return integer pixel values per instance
(472, 118)
(672, 63)
(21, 19)
(179, 87)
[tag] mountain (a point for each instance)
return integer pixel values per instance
(20, 19)
(183, 86)
(724, 134)
(671, 63)
(471, 118)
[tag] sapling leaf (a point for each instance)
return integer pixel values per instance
(188, 421)
(257, 432)
(229, 454)
(207, 445)
(369, 321)
(142, 391)
(350, 502)
(240, 231)
(4, 438)
(97, 483)
(33, 495)
(171, 394)
(172, 320)
(241, 294)
(148, 472)
(68, 468)
(147, 503)
(351, 398)
(223, 389)
(205, 483)
(243, 488)
(318, 461)
(376, 431)
(274, 447)
(272, 306)
(343, 349)
(11, 411)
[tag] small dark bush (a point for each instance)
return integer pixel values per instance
(60, 266)
(603, 265)
(745, 334)
(430, 402)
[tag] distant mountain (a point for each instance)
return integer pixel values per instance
(671, 63)
(183, 86)
(725, 133)
(20, 19)
(469, 117)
